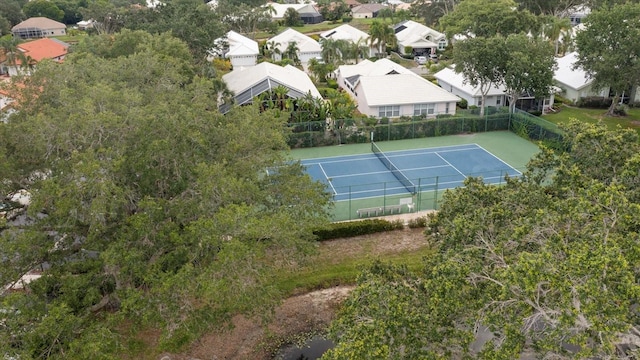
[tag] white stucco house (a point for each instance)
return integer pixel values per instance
(351, 34)
(574, 83)
(456, 84)
(307, 47)
(420, 39)
(386, 89)
(239, 49)
(247, 83)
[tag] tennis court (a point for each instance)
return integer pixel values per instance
(406, 172)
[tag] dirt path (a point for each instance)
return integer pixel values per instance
(299, 314)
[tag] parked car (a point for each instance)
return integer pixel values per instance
(421, 60)
(433, 57)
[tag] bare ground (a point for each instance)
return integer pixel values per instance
(248, 339)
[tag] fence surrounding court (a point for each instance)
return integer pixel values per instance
(353, 131)
(429, 193)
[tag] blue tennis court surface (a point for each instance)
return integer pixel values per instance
(364, 176)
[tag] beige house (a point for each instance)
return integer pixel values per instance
(38, 27)
(367, 11)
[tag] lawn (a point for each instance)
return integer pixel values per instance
(566, 113)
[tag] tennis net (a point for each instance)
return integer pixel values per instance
(411, 187)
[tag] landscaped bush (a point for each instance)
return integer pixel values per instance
(597, 102)
(332, 83)
(420, 222)
(357, 228)
(347, 19)
(463, 104)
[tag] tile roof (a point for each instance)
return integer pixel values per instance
(44, 48)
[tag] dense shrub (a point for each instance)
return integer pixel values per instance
(420, 222)
(463, 104)
(332, 83)
(347, 19)
(356, 228)
(597, 102)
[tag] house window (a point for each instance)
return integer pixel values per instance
(480, 102)
(423, 109)
(446, 109)
(498, 101)
(442, 44)
(389, 111)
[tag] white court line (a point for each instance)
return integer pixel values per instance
(454, 168)
(490, 153)
(329, 181)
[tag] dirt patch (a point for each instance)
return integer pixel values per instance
(304, 313)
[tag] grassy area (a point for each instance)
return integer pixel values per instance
(566, 113)
(337, 266)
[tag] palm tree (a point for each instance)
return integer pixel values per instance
(9, 47)
(382, 35)
(329, 50)
(292, 52)
(555, 28)
(270, 48)
(358, 50)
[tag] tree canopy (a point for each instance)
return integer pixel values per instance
(150, 208)
(608, 49)
(544, 266)
(486, 18)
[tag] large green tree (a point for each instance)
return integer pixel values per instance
(527, 66)
(545, 266)
(150, 208)
(479, 60)
(487, 18)
(550, 7)
(43, 8)
(608, 49)
(189, 20)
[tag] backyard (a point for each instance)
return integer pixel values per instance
(565, 113)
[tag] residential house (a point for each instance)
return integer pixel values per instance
(308, 13)
(417, 39)
(38, 27)
(33, 52)
(369, 84)
(352, 3)
(247, 83)
(456, 84)
(240, 50)
(574, 82)
(307, 47)
(577, 13)
(6, 108)
(367, 11)
(349, 33)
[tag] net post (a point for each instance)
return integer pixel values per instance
(435, 195)
(371, 136)
(350, 213)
